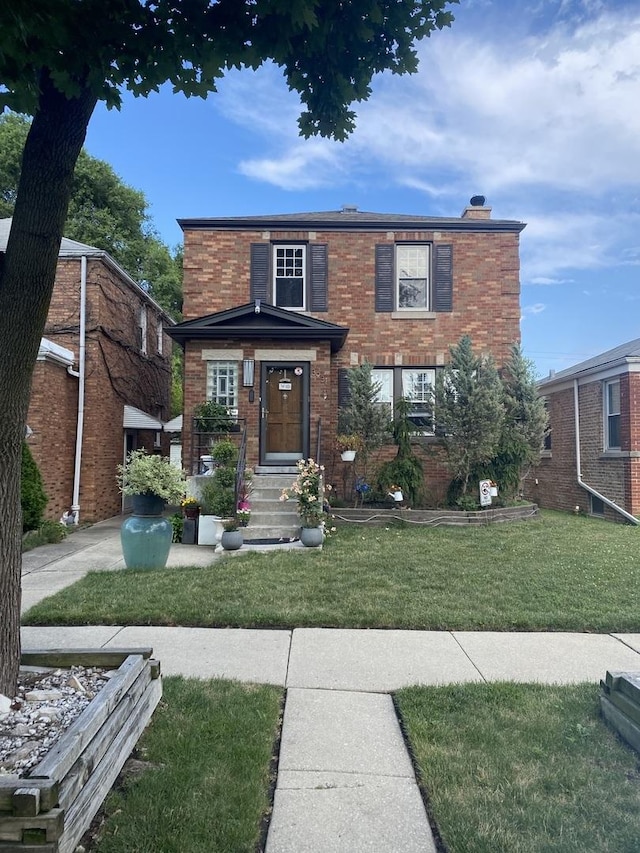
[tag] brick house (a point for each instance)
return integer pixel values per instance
(592, 455)
(101, 384)
(277, 307)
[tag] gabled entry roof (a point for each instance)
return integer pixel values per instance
(257, 320)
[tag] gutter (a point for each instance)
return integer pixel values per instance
(75, 505)
(591, 491)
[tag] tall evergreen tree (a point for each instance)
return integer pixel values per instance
(524, 425)
(363, 415)
(469, 410)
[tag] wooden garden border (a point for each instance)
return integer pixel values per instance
(50, 809)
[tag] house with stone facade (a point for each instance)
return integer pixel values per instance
(591, 461)
(277, 308)
(101, 384)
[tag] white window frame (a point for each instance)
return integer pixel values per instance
(610, 413)
(222, 384)
(383, 376)
(417, 386)
(159, 336)
(298, 263)
(413, 264)
(142, 323)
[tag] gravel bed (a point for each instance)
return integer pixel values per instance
(46, 703)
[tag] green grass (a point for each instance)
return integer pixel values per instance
(512, 768)
(210, 744)
(556, 573)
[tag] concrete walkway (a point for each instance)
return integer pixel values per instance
(345, 781)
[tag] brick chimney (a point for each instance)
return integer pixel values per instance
(476, 209)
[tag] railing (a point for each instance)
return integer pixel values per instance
(318, 440)
(242, 461)
(203, 439)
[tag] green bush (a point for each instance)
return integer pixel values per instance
(49, 532)
(177, 525)
(224, 453)
(32, 497)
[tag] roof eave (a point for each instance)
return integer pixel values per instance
(257, 224)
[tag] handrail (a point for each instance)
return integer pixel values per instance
(242, 461)
(201, 440)
(318, 440)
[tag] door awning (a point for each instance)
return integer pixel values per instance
(137, 419)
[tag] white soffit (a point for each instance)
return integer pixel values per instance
(136, 419)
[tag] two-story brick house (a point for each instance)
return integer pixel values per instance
(276, 307)
(101, 384)
(591, 461)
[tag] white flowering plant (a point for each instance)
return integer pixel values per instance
(146, 474)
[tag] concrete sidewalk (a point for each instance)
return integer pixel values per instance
(345, 781)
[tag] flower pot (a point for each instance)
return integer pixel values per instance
(191, 512)
(209, 529)
(311, 537)
(146, 536)
(348, 455)
(231, 540)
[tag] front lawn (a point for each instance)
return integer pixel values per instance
(521, 768)
(557, 573)
(207, 789)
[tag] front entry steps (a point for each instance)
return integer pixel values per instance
(270, 517)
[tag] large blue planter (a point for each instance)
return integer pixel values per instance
(146, 536)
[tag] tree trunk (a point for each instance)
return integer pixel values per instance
(27, 276)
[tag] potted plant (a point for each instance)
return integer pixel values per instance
(212, 417)
(308, 490)
(231, 535)
(243, 514)
(190, 507)
(152, 482)
(348, 445)
(224, 453)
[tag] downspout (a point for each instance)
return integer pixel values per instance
(614, 506)
(75, 506)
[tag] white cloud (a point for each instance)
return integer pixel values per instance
(537, 308)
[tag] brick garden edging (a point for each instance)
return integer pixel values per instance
(433, 517)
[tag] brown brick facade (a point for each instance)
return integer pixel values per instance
(117, 373)
(485, 297)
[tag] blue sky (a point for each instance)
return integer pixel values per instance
(535, 105)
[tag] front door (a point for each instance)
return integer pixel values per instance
(284, 399)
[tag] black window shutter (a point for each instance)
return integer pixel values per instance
(443, 278)
(259, 288)
(343, 387)
(384, 277)
(318, 268)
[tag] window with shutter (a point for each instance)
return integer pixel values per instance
(318, 268)
(414, 277)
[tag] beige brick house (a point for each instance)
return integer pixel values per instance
(591, 462)
(277, 308)
(101, 384)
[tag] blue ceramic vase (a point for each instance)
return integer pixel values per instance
(146, 536)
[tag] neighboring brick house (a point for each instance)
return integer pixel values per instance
(277, 307)
(101, 384)
(591, 461)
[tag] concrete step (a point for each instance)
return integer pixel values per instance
(266, 470)
(269, 531)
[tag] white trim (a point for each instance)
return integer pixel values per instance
(48, 351)
(286, 355)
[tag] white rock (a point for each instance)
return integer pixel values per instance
(47, 713)
(75, 684)
(5, 704)
(43, 695)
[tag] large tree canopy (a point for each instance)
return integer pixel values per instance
(103, 212)
(58, 58)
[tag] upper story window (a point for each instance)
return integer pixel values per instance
(222, 384)
(412, 277)
(289, 276)
(612, 414)
(142, 322)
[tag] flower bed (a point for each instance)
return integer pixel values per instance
(51, 807)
